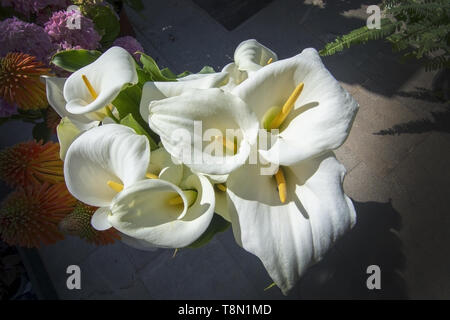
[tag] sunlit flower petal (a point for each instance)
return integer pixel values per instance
(110, 152)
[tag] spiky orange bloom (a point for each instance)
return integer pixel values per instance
(31, 162)
(78, 223)
(29, 216)
(20, 81)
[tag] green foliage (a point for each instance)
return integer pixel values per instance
(359, 36)
(72, 60)
(207, 69)
(106, 23)
(129, 121)
(151, 68)
(217, 225)
(417, 28)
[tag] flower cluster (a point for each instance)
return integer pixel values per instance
(130, 44)
(252, 143)
(20, 36)
(85, 37)
(29, 7)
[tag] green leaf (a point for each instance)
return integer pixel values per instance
(217, 225)
(207, 69)
(72, 60)
(152, 68)
(184, 74)
(106, 23)
(168, 73)
(129, 121)
(127, 102)
(359, 36)
(41, 132)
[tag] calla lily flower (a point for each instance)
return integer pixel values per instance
(170, 209)
(71, 125)
(292, 235)
(154, 91)
(102, 158)
(249, 56)
(92, 88)
(147, 212)
(299, 97)
(193, 126)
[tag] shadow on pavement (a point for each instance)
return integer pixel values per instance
(373, 241)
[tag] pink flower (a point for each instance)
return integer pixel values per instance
(72, 38)
(28, 7)
(130, 44)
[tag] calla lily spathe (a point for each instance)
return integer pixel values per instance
(249, 56)
(290, 237)
(176, 120)
(104, 78)
(322, 115)
(71, 125)
(154, 91)
(145, 216)
(111, 152)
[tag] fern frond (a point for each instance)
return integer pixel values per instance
(359, 36)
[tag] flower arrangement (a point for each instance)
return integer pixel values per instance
(164, 160)
(40, 210)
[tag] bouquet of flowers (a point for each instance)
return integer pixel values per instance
(164, 160)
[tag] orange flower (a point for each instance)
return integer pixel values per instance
(78, 223)
(31, 162)
(29, 216)
(20, 81)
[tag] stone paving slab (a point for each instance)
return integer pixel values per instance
(399, 181)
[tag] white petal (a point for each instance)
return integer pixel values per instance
(54, 88)
(290, 237)
(68, 131)
(250, 55)
(108, 75)
(322, 116)
(142, 212)
(99, 220)
(184, 121)
(161, 164)
(235, 76)
(109, 152)
(154, 91)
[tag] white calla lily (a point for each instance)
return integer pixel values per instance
(92, 88)
(291, 236)
(102, 157)
(317, 121)
(188, 122)
(71, 125)
(249, 56)
(154, 91)
(144, 212)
